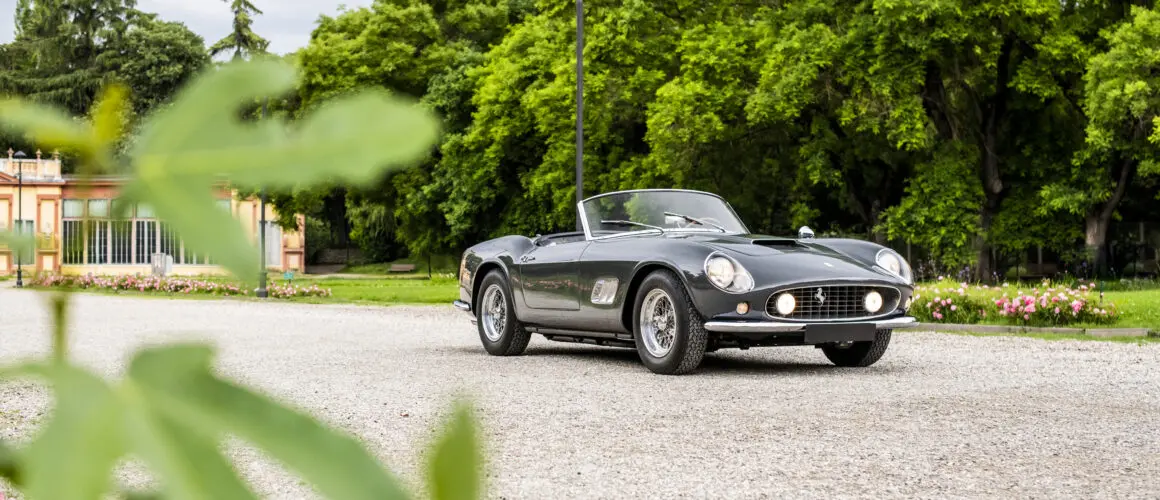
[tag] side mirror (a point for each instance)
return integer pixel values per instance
(805, 233)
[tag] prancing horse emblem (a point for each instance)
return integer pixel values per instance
(820, 296)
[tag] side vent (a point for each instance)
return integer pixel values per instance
(604, 290)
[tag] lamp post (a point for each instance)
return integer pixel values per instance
(579, 109)
(262, 291)
(20, 216)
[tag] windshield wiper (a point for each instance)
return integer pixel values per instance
(696, 221)
(631, 223)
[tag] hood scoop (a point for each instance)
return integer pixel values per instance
(777, 242)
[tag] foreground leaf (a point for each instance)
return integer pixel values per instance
(189, 464)
(9, 467)
(45, 125)
(453, 473)
(180, 379)
(75, 454)
(23, 243)
(351, 140)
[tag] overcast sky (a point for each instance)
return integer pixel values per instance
(285, 23)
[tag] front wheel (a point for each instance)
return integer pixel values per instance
(669, 332)
(859, 354)
(499, 330)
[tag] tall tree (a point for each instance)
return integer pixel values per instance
(1121, 99)
(242, 40)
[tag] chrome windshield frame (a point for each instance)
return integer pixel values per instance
(588, 232)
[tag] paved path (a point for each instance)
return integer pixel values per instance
(940, 416)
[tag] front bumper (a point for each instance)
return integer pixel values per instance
(762, 327)
(462, 306)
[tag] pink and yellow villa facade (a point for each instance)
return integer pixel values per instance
(36, 198)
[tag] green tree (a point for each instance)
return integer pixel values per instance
(154, 58)
(242, 40)
(1121, 98)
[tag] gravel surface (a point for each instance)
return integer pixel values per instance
(939, 416)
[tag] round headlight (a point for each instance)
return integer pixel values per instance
(727, 274)
(891, 261)
(873, 301)
(786, 304)
(720, 271)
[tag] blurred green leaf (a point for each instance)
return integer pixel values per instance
(187, 149)
(75, 454)
(9, 467)
(188, 464)
(23, 243)
(180, 379)
(454, 470)
(46, 125)
(109, 115)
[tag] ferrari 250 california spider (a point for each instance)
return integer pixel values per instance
(675, 274)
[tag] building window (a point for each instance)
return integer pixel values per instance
(121, 241)
(74, 242)
(146, 240)
(132, 240)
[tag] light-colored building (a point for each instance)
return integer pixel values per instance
(36, 198)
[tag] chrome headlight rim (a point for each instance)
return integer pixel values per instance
(903, 272)
(740, 282)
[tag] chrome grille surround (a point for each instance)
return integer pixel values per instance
(841, 303)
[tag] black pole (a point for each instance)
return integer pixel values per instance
(20, 220)
(579, 109)
(262, 291)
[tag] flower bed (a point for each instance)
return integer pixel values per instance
(172, 285)
(1046, 305)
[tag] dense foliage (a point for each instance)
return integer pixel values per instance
(975, 132)
(972, 130)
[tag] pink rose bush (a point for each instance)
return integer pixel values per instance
(187, 286)
(1046, 305)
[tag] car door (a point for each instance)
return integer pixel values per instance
(550, 276)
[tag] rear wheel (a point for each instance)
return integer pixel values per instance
(859, 354)
(499, 330)
(669, 332)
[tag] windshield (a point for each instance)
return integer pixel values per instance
(635, 211)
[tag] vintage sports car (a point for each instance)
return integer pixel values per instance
(675, 274)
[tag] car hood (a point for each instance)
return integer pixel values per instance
(779, 259)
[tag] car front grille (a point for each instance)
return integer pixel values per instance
(833, 302)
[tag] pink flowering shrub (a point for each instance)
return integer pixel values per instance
(1046, 305)
(947, 305)
(187, 286)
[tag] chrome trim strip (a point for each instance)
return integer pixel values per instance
(462, 306)
(780, 327)
(856, 281)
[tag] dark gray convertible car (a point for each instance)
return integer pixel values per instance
(675, 274)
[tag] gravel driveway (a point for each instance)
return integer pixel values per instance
(939, 416)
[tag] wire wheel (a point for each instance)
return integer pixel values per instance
(658, 323)
(494, 309)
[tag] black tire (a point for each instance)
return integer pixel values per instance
(689, 336)
(859, 354)
(510, 338)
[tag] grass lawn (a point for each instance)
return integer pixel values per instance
(440, 264)
(384, 291)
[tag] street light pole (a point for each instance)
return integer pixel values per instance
(20, 217)
(262, 291)
(579, 109)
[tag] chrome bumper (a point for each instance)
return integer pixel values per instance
(785, 327)
(462, 306)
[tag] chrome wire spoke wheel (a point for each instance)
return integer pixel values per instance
(658, 323)
(494, 309)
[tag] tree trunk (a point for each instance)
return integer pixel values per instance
(1095, 236)
(985, 264)
(1096, 223)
